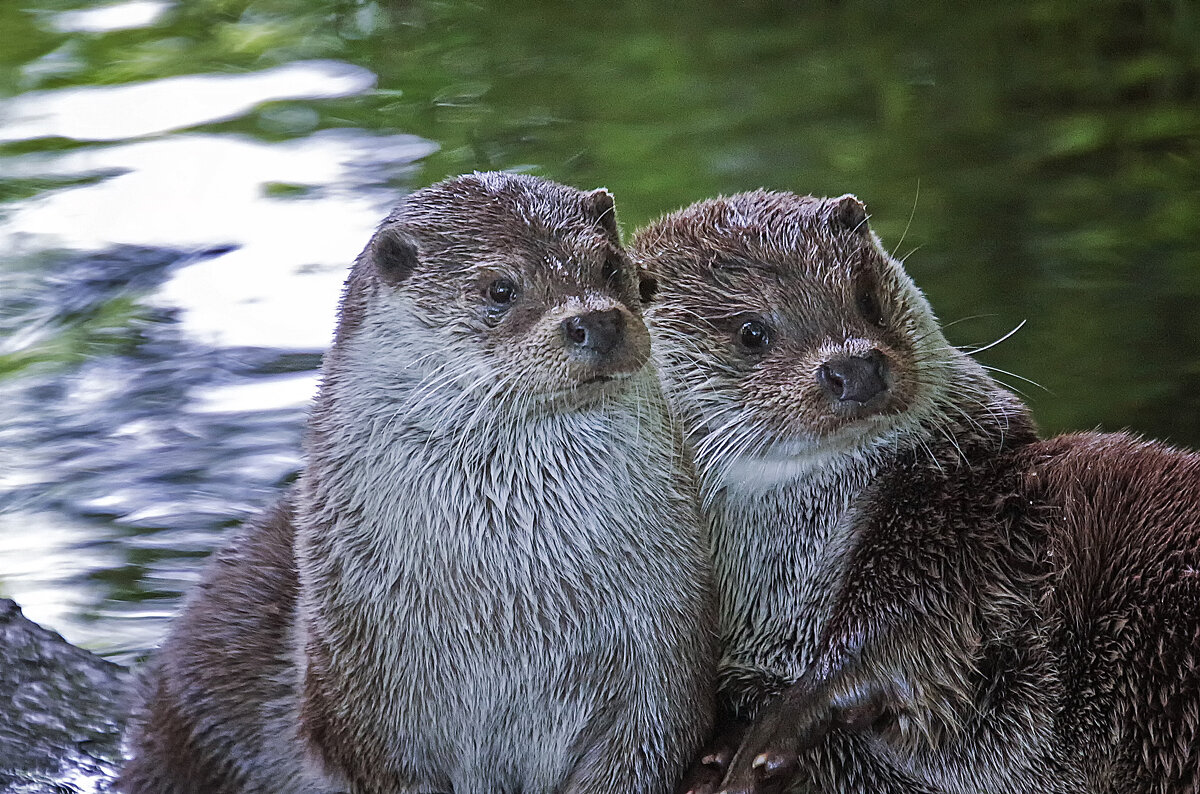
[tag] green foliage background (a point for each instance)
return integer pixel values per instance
(1047, 153)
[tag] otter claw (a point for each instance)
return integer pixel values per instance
(770, 765)
(706, 775)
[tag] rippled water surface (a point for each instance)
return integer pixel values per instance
(183, 185)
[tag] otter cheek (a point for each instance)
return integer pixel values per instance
(637, 345)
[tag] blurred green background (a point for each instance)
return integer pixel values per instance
(1034, 161)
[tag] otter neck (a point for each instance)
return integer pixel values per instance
(377, 485)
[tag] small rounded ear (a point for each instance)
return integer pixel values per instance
(647, 285)
(601, 202)
(394, 254)
(847, 212)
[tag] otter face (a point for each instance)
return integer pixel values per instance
(505, 286)
(781, 325)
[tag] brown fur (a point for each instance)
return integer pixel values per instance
(944, 601)
(200, 725)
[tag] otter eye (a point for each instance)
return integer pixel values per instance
(869, 308)
(647, 288)
(754, 335)
(502, 291)
(611, 271)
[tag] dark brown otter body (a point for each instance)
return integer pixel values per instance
(945, 602)
(220, 709)
(491, 576)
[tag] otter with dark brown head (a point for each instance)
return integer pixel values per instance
(499, 580)
(916, 593)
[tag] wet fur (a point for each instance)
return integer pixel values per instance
(501, 583)
(1020, 615)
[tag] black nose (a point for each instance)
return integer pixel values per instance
(594, 333)
(854, 378)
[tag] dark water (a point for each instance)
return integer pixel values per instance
(182, 185)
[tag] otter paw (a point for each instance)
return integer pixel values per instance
(767, 773)
(706, 774)
(770, 754)
(704, 777)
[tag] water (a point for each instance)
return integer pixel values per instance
(183, 184)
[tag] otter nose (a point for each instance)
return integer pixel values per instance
(594, 333)
(854, 378)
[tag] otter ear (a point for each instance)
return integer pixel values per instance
(647, 284)
(847, 212)
(394, 254)
(601, 202)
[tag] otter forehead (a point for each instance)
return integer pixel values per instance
(773, 237)
(796, 259)
(490, 220)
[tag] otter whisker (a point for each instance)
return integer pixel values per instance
(978, 350)
(911, 214)
(948, 434)
(928, 451)
(967, 319)
(1015, 375)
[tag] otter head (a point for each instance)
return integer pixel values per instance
(495, 287)
(782, 327)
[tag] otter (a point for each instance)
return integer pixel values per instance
(916, 593)
(491, 575)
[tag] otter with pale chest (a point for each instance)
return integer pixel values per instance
(491, 576)
(916, 593)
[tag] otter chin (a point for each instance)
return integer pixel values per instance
(917, 593)
(491, 574)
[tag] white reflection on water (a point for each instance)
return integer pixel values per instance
(105, 18)
(263, 394)
(135, 110)
(279, 287)
(292, 215)
(38, 552)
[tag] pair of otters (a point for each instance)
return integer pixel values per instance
(494, 572)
